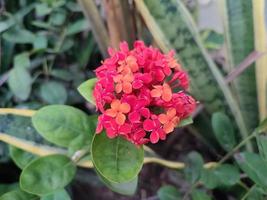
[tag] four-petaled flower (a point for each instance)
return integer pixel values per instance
(118, 111)
(169, 120)
(164, 91)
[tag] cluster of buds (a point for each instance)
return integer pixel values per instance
(141, 94)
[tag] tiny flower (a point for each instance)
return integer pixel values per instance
(162, 91)
(114, 130)
(169, 120)
(123, 83)
(154, 126)
(172, 61)
(118, 111)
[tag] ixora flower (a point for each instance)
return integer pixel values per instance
(141, 94)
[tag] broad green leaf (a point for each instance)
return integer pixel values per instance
(185, 122)
(254, 166)
(127, 188)
(40, 42)
(222, 176)
(86, 89)
(22, 60)
(117, 160)
(20, 157)
(42, 24)
(77, 27)
(19, 36)
(58, 17)
(168, 192)
(194, 167)
(53, 92)
(18, 195)
(42, 9)
(223, 130)
(47, 174)
(200, 195)
(20, 82)
(207, 83)
(5, 188)
(63, 125)
(20, 127)
(256, 193)
(58, 195)
(240, 43)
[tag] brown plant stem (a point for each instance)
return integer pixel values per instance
(98, 28)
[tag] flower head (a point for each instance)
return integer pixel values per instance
(141, 94)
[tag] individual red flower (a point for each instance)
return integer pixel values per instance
(118, 111)
(169, 120)
(164, 91)
(141, 94)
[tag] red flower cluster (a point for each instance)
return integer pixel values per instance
(140, 94)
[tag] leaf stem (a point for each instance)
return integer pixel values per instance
(43, 150)
(248, 192)
(242, 143)
(21, 112)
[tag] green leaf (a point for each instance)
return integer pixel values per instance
(19, 127)
(77, 27)
(262, 145)
(200, 195)
(18, 195)
(63, 125)
(47, 174)
(127, 188)
(58, 195)
(222, 176)
(185, 122)
(194, 167)
(40, 42)
(19, 36)
(224, 130)
(42, 9)
(4, 188)
(58, 17)
(20, 157)
(254, 166)
(239, 19)
(53, 92)
(22, 60)
(20, 82)
(256, 193)
(117, 160)
(168, 192)
(86, 90)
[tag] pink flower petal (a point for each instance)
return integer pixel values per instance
(154, 137)
(134, 117)
(148, 125)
